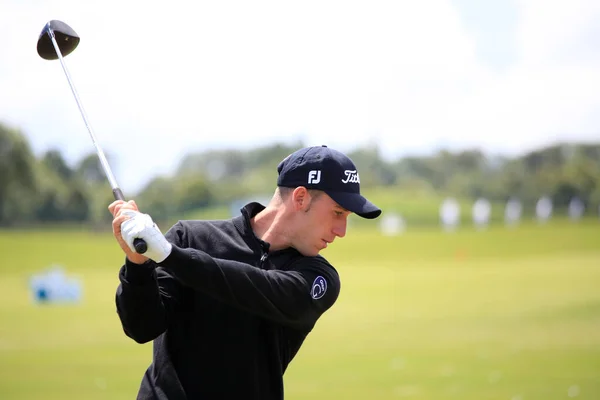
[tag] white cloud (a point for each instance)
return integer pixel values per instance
(161, 79)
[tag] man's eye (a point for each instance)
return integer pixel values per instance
(339, 213)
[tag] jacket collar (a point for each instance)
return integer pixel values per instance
(243, 225)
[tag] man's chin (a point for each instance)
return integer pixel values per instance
(309, 252)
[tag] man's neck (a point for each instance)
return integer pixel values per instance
(268, 225)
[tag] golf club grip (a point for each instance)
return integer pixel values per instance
(139, 244)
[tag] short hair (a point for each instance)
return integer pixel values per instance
(285, 192)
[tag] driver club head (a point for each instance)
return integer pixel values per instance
(66, 38)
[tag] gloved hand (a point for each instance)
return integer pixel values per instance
(142, 226)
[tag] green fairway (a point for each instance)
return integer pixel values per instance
(508, 314)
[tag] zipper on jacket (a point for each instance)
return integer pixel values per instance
(263, 258)
(264, 248)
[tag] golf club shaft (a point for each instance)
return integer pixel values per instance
(111, 179)
(139, 244)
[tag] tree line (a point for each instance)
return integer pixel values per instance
(45, 189)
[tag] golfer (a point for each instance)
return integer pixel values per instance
(229, 303)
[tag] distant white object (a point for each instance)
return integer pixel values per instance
(543, 209)
(573, 391)
(482, 210)
(54, 286)
(450, 213)
(513, 211)
(392, 224)
(576, 208)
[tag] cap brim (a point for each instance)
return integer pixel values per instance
(356, 203)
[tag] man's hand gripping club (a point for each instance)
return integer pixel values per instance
(129, 224)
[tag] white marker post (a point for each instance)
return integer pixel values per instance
(576, 208)
(450, 214)
(482, 211)
(543, 209)
(392, 224)
(513, 211)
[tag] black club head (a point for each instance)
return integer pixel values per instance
(66, 38)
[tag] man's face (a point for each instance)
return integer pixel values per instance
(320, 223)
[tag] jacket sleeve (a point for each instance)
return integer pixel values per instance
(294, 297)
(146, 297)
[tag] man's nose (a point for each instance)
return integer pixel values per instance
(339, 228)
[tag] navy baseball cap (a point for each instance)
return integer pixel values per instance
(326, 169)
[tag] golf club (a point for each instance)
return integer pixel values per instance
(56, 41)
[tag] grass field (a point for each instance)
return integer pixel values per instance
(503, 314)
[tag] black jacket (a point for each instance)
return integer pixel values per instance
(226, 315)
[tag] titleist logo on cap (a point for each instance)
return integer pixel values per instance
(351, 176)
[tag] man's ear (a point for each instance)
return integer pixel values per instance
(300, 198)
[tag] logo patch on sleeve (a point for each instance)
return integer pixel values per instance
(319, 287)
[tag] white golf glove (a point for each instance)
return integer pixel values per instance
(141, 226)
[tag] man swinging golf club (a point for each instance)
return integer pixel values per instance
(229, 303)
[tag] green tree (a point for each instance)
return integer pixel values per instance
(158, 198)
(192, 193)
(17, 177)
(54, 162)
(90, 170)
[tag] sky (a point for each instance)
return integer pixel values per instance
(160, 80)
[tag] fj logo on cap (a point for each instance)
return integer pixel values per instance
(314, 176)
(351, 176)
